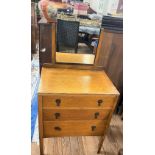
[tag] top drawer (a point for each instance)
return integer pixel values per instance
(84, 101)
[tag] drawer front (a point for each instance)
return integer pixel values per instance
(92, 101)
(73, 128)
(75, 114)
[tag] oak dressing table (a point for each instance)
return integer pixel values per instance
(75, 96)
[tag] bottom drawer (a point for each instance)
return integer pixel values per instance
(73, 128)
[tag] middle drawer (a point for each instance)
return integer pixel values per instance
(75, 114)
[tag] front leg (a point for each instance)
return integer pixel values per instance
(100, 144)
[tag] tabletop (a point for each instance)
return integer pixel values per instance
(75, 81)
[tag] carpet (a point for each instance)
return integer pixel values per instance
(34, 89)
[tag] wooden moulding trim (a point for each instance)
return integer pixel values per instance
(77, 94)
(53, 49)
(73, 66)
(98, 53)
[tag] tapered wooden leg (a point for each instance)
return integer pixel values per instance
(100, 144)
(107, 125)
(41, 146)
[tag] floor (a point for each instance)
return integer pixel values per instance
(85, 145)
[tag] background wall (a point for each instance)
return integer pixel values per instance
(103, 6)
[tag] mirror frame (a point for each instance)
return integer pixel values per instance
(96, 57)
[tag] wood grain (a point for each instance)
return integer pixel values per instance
(66, 145)
(73, 128)
(75, 58)
(103, 49)
(82, 101)
(86, 145)
(75, 114)
(110, 57)
(76, 147)
(76, 93)
(53, 49)
(73, 66)
(72, 81)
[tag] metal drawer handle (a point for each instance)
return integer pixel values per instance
(57, 115)
(43, 50)
(93, 128)
(100, 102)
(58, 101)
(97, 114)
(57, 128)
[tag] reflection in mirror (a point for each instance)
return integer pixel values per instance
(77, 33)
(78, 24)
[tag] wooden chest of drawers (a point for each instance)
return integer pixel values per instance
(75, 102)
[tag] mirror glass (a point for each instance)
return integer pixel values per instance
(78, 25)
(77, 35)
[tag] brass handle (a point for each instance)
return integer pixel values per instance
(97, 114)
(100, 102)
(58, 101)
(57, 115)
(57, 128)
(93, 128)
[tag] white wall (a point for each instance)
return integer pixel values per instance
(103, 6)
(112, 6)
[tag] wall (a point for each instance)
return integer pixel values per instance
(103, 6)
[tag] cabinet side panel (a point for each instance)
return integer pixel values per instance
(45, 40)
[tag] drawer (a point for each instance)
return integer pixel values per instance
(88, 101)
(75, 114)
(73, 128)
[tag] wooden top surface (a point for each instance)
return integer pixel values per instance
(74, 81)
(75, 58)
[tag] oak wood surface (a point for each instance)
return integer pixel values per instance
(57, 114)
(85, 145)
(74, 128)
(110, 57)
(75, 58)
(103, 49)
(72, 81)
(53, 49)
(75, 89)
(82, 101)
(73, 66)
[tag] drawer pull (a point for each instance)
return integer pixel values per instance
(57, 115)
(58, 101)
(93, 128)
(97, 114)
(100, 102)
(57, 128)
